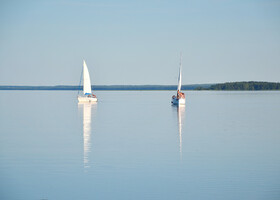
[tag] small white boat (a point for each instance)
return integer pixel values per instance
(179, 99)
(87, 95)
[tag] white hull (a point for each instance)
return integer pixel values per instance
(87, 99)
(180, 101)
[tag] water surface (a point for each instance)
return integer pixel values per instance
(135, 145)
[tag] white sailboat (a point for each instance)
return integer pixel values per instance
(179, 99)
(87, 95)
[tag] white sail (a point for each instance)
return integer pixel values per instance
(86, 79)
(180, 75)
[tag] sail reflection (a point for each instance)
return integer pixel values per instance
(181, 116)
(87, 109)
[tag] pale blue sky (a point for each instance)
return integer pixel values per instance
(139, 42)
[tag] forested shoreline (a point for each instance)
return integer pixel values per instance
(250, 85)
(107, 87)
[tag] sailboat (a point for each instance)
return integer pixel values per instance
(87, 95)
(179, 99)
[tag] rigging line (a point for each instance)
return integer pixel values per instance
(80, 81)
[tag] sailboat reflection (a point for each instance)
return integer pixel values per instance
(181, 116)
(87, 108)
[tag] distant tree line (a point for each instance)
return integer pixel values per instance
(107, 87)
(251, 85)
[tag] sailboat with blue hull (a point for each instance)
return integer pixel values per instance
(180, 98)
(87, 95)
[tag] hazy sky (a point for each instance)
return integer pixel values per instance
(139, 42)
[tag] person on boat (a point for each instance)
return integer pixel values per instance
(180, 94)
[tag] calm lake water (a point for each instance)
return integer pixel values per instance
(135, 145)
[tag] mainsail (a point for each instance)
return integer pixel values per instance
(180, 75)
(86, 80)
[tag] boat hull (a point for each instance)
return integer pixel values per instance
(181, 101)
(87, 99)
